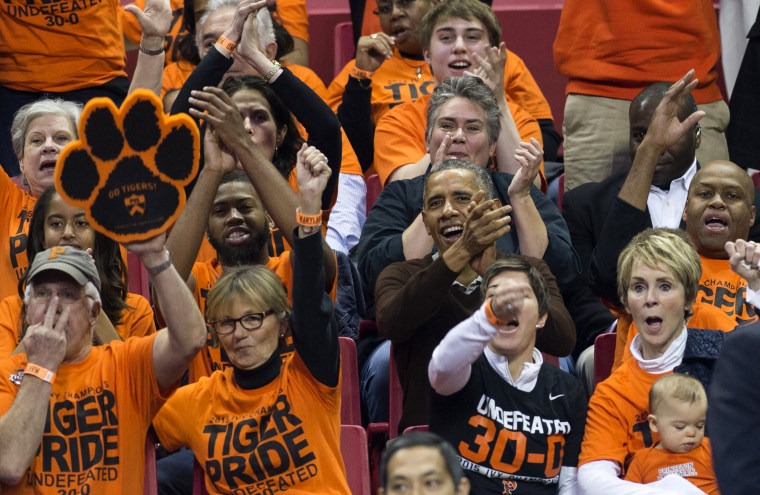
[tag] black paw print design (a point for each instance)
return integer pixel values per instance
(129, 167)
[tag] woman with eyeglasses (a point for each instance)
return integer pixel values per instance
(271, 419)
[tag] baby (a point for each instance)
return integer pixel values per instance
(678, 407)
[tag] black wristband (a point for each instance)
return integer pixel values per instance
(155, 270)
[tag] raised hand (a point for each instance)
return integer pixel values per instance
(312, 173)
(155, 20)
(45, 342)
(744, 258)
(234, 31)
(217, 157)
(373, 50)
(443, 151)
(491, 68)
(665, 129)
(487, 222)
(221, 114)
(508, 297)
(529, 156)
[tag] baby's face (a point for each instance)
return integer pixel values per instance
(681, 425)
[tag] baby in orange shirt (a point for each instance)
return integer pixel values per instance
(678, 407)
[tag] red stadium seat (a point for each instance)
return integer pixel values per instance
(350, 408)
(344, 49)
(353, 448)
(150, 485)
(604, 356)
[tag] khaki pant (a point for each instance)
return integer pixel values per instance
(596, 137)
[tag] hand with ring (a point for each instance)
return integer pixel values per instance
(373, 50)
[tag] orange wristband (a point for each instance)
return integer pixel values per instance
(492, 318)
(226, 44)
(40, 372)
(357, 73)
(308, 220)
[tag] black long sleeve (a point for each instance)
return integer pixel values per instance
(318, 120)
(314, 336)
(355, 114)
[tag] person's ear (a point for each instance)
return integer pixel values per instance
(426, 56)
(94, 312)
(281, 135)
(424, 222)
(463, 487)
(542, 321)
(752, 216)
(685, 209)
(653, 423)
(271, 50)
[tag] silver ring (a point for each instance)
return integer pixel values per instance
(747, 265)
(373, 36)
(509, 307)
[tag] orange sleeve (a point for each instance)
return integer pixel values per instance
(294, 17)
(175, 75)
(521, 87)
(139, 321)
(171, 422)
(10, 324)
(400, 137)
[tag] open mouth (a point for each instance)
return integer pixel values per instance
(654, 322)
(400, 33)
(48, 166)
(716, 224)
(452, 233)
(237, 236)
(460, 65)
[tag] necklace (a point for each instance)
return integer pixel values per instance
(417, 68)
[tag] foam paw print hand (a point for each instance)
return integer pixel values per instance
(129, 168)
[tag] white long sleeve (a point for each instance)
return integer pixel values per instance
(349, 213)
(568, 481)
(601, 478)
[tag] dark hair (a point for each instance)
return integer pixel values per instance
(514, 263)
(105, 251)
(480, 176)
(284, 39)
(655, 92)
(422, 439)
(186, 48)
(285, 155)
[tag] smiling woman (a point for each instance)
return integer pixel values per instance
(658, 274)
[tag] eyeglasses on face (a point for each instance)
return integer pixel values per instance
(250, 321)
(386, 7)
(68, 295)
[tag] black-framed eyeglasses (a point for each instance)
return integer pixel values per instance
(386, 7)
(251, 321)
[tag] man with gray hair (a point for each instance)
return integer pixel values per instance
(76, 416)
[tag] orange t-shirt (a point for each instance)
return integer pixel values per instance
(98, 416)
(616, 422)
(705, 316)
(137, 322)
(653, 464)
(60, 46)
(616, 49)
(175, 75)
(294, 17)
(176, 32)
(17, 207)
(281, 436)
(400, 134)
